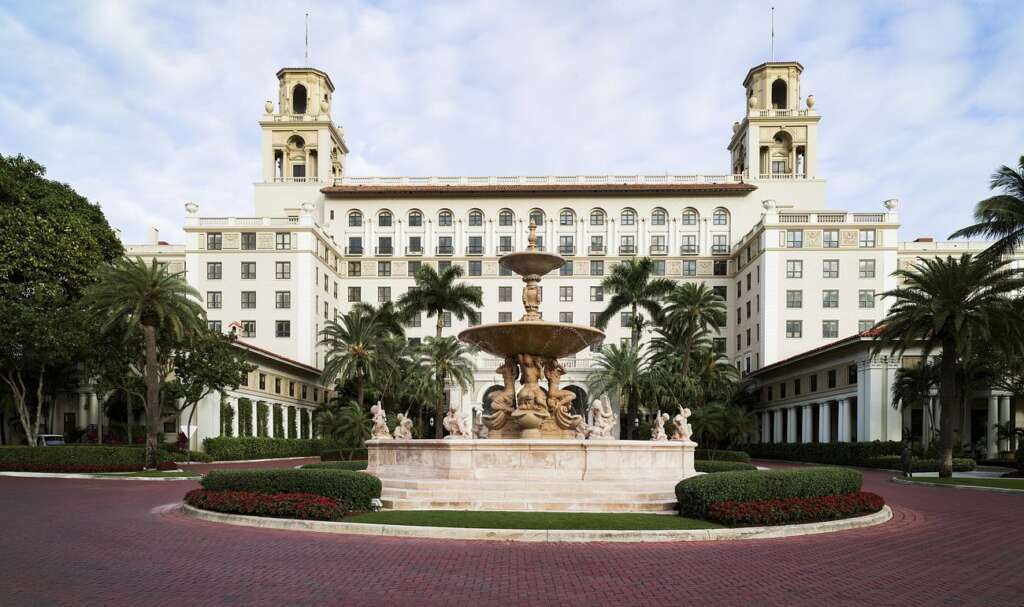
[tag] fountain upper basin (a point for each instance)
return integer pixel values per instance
(545, 339)
(531, 263)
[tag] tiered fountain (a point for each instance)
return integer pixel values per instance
(537, 454)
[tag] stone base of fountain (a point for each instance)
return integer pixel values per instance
(530, 475)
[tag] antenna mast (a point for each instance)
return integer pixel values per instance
(773, 35)
(307, 39)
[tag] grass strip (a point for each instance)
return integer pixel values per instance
(1001, 483)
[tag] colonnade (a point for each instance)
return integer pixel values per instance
(796, 423)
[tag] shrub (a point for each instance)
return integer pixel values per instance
(351, 465)
(77, 458)
(722, 455)
(262, 417)
(892, 462)
(352, 490)
(223, 448)
(697, 493)
(227, 419)
(794, 510)
(182, 455)
(244, 417)
(330, 455)
(837, 454)
(281, 505)
(712, 466)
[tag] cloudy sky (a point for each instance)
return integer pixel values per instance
(143, 106)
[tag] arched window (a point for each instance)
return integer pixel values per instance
(415, 219)
(299, 99)
(659, 217)
(720, 217)
(505, 217)
(628, 217)
(384, 219)
(296, 142)
(537, 216)
(597, 217)
(355, 219)
(690, 217)
(476, 218)
(444, 218)
(566, 217)
(779, 94)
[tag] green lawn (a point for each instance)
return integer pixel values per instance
(531, 520)
(1002, 483)
(148, 474)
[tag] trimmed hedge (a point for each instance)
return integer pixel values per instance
(77, 458)
(836, 454)
(892, 462)
(712, 466)
(352, 490)
(351, 465)
(304, 506)
(722, 455)
(223, 448)
(696, 494)
(794, 510)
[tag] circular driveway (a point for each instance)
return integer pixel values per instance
(100, 542)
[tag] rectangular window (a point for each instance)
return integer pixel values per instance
(794, 299)
(444, 245)
(355, 219)
(263, 381)
(597, 244)
(383, 294)
(813, 383)
(597, 293)
(867, 268)
(830, 239)
(443, 265)
(415, 321)
(627, 245)
(720, 244)
(283, 300)
(565, 317)
(475, 246)
(566, 269)
(415, 244)
(248, 328)
(213, 300)
(593, 318)
(566, 245)
(830, 298)
(283, 269)
(851, 375)
(283, 328)
(414, 267)
(355, 294)
(564, 293)
(627, 218)
(248, 241)
(214, 241)
(794, 268)
(866, 298)
(446, 319)
(277, 385)
(355, 245)
(721, 291)
(504, 317)
(658, 245)
(248, 300)
(383, 268)
(865, 325)
(291, 384)
(384, 246)
(626, 320)
(689, 246)
(830, 329)
(597, 267)
(794, 239)
(283, 241)
(748, 308)
(415, 220)
(504, 294)
(796, 387)
(355, 268)
(476, 267)
(831, 377)
(867, 239)
(327, 283)
(248, 270)
(214, 325)
(504, 244)
(830, 268)
(720, 267)
(689, 267)
(658, 268)
(214, 270)
(473, 318)
(794, 328)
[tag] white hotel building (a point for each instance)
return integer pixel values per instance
(800, 279)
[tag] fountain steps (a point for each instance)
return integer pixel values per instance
(435, 502)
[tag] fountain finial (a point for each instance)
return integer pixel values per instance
(531, 241)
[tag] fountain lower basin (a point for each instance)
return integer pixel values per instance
(537, 337)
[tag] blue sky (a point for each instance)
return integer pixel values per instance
(142, 106)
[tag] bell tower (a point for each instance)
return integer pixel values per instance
(777, 139)
(300, 143)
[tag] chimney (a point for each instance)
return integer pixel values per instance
(154, 235)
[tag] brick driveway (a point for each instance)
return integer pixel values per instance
(71, 542)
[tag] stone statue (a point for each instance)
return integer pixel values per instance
(658, 433)
(605, 421)
(380, 422)
(560, 401)
(404, 428)
(456, 425)
(503, 401)
(531, 397)
(683, 430)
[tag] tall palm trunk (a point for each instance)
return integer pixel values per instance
(950, 403)
(439, 376)
(359, 390)
(688, 349)
(630, 405)
(153, 405)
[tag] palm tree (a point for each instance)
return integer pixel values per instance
(349, 425)
(694, 309)
(353, 349)
(1000, 216)
(393, 369)
(632, 285)
(434, 294)
(951, 305)
(386, 316)
(451, 359)
(132, 297)
(912, 386)
(619, 371)
(711, 371)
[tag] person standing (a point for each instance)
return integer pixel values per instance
(907, 461)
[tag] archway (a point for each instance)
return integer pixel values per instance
(779, 94)
(299, 99)
(581, 403)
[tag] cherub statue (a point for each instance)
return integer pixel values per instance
(683, 431)
(404, 428)
(605, 421)
(658, 433)
(503, 401)
(559, 400)
(456, 425)
(380, 422)
(531, 396)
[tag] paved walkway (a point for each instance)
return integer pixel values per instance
(85, 542)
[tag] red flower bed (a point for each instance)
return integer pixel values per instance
(795, 510)
(279, 505)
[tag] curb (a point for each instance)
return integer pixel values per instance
(541, 535)
(900, 481)
(100, 477)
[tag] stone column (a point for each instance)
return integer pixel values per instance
(233, 403)
(83, 410)
(1004, 416)
(777, 426)
(965, 431)
(808, 425)
(844, 420)
(94, 409)
(766, 426)
(791, 425)
(824, 423)
(991, 443)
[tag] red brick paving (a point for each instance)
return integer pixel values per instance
(83, 542)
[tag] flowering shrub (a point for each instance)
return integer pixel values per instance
(697, 493)
(794, 510)
(279, 505)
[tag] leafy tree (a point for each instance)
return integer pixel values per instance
(1000, 216)
(352, 354)
(693, 309)
(618, 371)
(632, 285)
(133, 298)
(450, 359)
(951, 305)
(51, 241)
(349, 424)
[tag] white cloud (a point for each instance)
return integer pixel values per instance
(144, 106)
